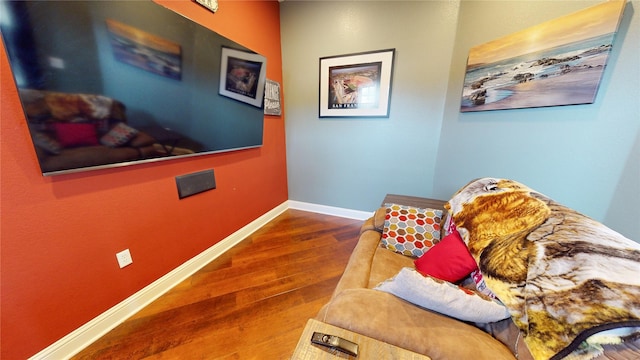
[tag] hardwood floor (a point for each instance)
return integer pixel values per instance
(250, 303)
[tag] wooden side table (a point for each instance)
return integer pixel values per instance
(368, 348)
(419, 202)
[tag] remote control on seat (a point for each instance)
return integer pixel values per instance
(335, 342)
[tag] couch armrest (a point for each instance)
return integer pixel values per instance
(376, 222)
(358, 270)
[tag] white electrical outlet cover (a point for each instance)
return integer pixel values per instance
(124, 258)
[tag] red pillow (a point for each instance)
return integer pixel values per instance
(76, 134)
(448, 260)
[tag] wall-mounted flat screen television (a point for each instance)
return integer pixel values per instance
(114, 83)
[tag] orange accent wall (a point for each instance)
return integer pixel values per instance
(59, 235)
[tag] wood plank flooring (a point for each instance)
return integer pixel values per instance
(250, 303)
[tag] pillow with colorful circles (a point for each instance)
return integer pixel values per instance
(409, 230)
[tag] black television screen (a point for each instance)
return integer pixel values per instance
(114, 83)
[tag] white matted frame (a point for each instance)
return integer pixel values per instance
(209, 4)
(356, 85)
(242, 76)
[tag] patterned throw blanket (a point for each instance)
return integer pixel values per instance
(570, 283)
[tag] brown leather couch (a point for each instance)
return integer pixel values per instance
(357, 307)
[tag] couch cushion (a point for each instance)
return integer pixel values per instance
(76, 134)
(142, 139)
(119, 135)
(356, 274)
(382, 316)
(46, 142)
(448, 260)
(443, 297)
(508, 333)
(87, 156)
(409, 230)
(386, 264)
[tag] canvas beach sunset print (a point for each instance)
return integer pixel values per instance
(559, 62)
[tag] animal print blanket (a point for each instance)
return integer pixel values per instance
(570, 283)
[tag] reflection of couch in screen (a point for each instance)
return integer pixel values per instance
(80, 130)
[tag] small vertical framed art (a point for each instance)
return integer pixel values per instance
(356, 85)
(272, 98)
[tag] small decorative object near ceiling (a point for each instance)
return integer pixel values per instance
(209, 4)
(559, 62)
(356, 85)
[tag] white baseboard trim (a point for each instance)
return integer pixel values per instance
(82, 337)
(330, 210)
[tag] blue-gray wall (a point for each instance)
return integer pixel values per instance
(353, 163)
(585, 156)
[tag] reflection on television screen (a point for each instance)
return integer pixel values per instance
(114, 83)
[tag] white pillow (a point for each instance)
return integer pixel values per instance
(443, 297)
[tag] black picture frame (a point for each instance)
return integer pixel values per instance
(356, 85)
(243, 76)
